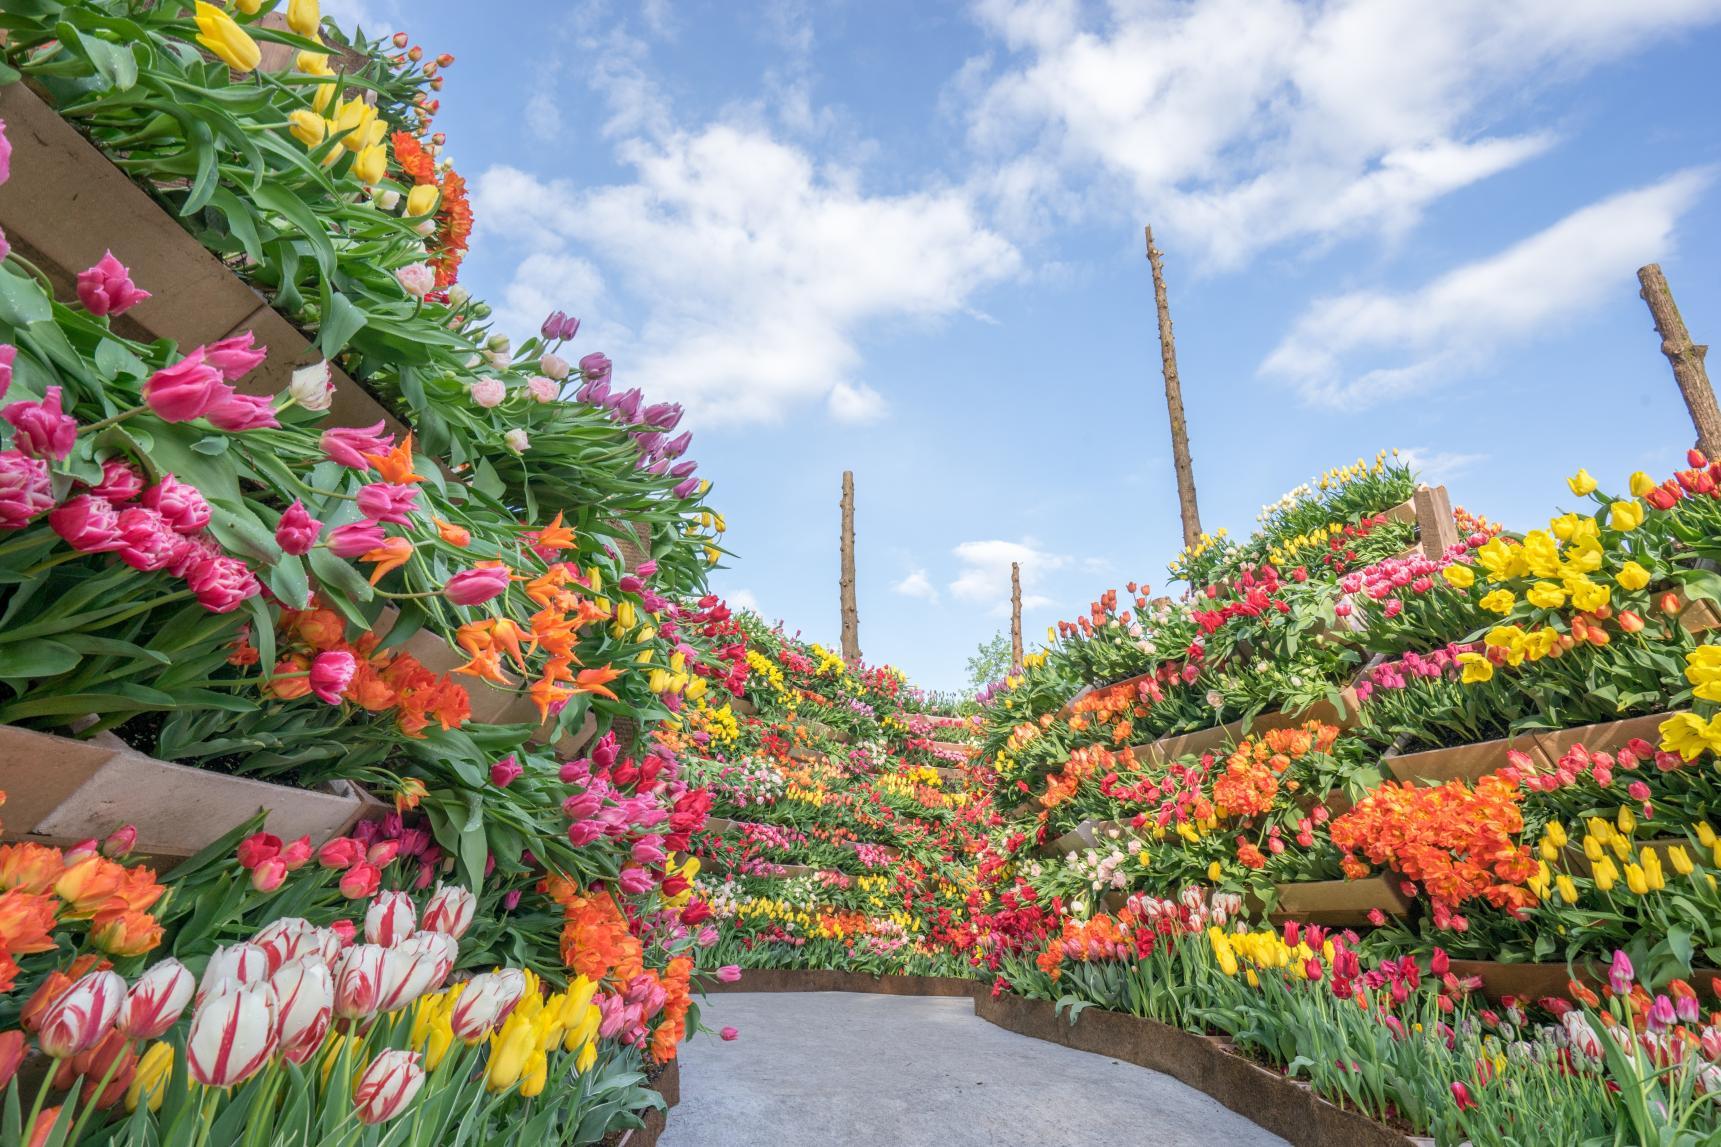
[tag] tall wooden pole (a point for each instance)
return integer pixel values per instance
(1174, 404)
(1016, 617)
(1686, 358)
(846, 583)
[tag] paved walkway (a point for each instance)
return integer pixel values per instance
(828, 1069)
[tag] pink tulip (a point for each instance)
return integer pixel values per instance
(181, 503)
(120, 842)
(360, 881)
(729, 1034)
(147, 541)
(388, 502)
(476, 586)
(297, 532)
(296, 854)
(355, 538)
(1621, 975)
(222, 584)
(340, 852)
(348, 445)
(555, 366)
(450, 911)
(488, 393)
(383, 852)
(238, 413)
(236, 356)
(87, 523)
(8, 355)
(390, 919)
(304, 1004)
(505, 771)
(107, 289)
(232, 1036)
(387, 1086)
(121, 481)
(185, 390)
(42, 429)
(331, 673)
(542, 389)
(78, 1019)
(26, 490)
(257, 848)
(417, 279)
(729, 973)
(635, 881)
(485, 1002)
(156, 1001)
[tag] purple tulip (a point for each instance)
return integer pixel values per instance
(1621, 974)
(686, 487)
(552, 328)
(678, 445)
(628, 405)
(683, 469)
(595, 367)
(648, 443)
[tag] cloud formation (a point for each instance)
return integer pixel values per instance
(985, 574)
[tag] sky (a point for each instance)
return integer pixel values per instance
(905, 239)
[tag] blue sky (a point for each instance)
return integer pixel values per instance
(905, 239)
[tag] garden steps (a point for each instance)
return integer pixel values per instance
(722, 826)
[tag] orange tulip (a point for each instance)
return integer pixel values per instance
(486, 664)
(545, 693)
(596, 680)
(322, 629)
(88, 885)
(554, 536)
(290, 688)
(390, 556)
(452, 534)
(408, 793)
(128, 934)
(30, 867)
(396, 464)
(27, 922)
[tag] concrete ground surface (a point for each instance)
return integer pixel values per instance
(828, 1069)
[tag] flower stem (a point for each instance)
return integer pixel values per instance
(113, 419)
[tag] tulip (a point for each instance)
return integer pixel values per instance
(297, 532)
(307, 126)
(421, 200)
(517, 440)
(487, 1000)
(418, 965)
(387, 1086)
(185, 390)
(120, 482)
(476, 586)
(358, 982)
(78, 1019)
(106, 288)
(729, 973)
(240, 413)
(488, 392)
(1621, 975)
(416, 279)
(87, 523)
(511, 1053)
(13, 1046)
(450, 911)
(42, 429)
(232, 1036)
(304, 17)
(360, 881)
(1581, 483)
(269, 875)
(312, 387)
(156, 1001)
(236, 356)
(233, 966)
(148, 541)
(728, 1034)
(348, 445)
(595, 368)
(554, 367)
(181, 503)
(505, 771)
(390, 919)
(225, 39)
(340, 852)
(388, 502)
(154, 1069)
(304, 993)
(331, 673)
(257, 848)
(355, 538)
(297, 854)
(382, 853)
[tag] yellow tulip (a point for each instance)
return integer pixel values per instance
(1625, 516)
(1567, 890)
(587, 1057)
(307, 126)
(249, 7)
(1593, 847)
(371, 165)
(1634, 880)
(1706, 834)
(1626, 821)
(510, 1051)
(1605, 874)
(304, 17)
(1641, 484)
(310, 63)
(151, 1076)
(1556, 832)
(226, 40)
(353, 119)
(1498, 601)
(1461, 576)
(421, 200)
(1477, 668)
(1581, 483)
(1631, 576)
(1545, 595)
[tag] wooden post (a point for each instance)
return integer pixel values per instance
(1016, 617)
(1686, 358)
(1434, 520)
(846, 583)
(1180, 460)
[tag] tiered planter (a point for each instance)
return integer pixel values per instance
(1341, 903)
(1208, 740)
(1528, 981)
(1093, 834)
(1607, 737)
(820, 729)
(1460, 762)
(61, 791)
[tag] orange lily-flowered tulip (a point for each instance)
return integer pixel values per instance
(486, 664)
(547, 586)
(554, 536)
(396, 464)
(408, 793)
(390, 556)
(554, 633)
(597, 680)
(507, 634)
(452, 534)
(545, 693)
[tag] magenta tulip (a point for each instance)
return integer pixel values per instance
(181, 503)
(297, 532)
(106, 288)
(238, 413)
(185, 390)
(355, 538)
(42, 429)
(331, 673)
(476, 586)
(87, 523)
(348, 445)
(236, 356)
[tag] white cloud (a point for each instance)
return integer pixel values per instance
(1366, 346)
(754, 266)
(985, 574)
(1437, 466)
(917, 584)
(1239, 124)
(742, 599)
(544, 114)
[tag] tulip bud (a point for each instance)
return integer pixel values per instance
(387, 1086)
(486, 1002)
(358, 982)
(450, 911)
(234, 966)
(310, 386)
(269, 875)
(296, 854)
(81, 1016)
(418, 965)
(257, 848)
(390, 919)
(360, 881)
(232, 1036)
(156, 1001)
(304, 1004)
(120, 842)
(340, 852)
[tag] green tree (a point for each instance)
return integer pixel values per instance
(990, 662)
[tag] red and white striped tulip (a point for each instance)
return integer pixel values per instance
(450, 910)
(358, 981)
(82, 1015)
(234, 966)
(387, 1086)
(156, 1001)
(485, 1002)
(390, 919)
(232, 1036)
(304, 1003)
(418, 965)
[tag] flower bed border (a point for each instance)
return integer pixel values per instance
(832, 980)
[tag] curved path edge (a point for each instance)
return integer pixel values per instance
(1286, 1107)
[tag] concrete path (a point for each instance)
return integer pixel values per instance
(829, 1069)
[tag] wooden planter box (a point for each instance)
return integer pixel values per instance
(1528, 981)
(1460, 762)
(953, 747)
(742, 707)
(1209, 740)
(1607, 737)
(1095, 834)
(61, 791)
(820, 729)
(807, 756)
(66, 203)
(1340, 902)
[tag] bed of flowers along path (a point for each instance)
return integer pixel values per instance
(506, 947)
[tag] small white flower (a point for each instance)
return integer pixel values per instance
(311, 387)
(517, 440)
(385, 198)
(458, 296)
(425, 227)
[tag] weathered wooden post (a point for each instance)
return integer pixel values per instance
(1015, 617)
(846, 582)
(1180, 460)
(1686, 358)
